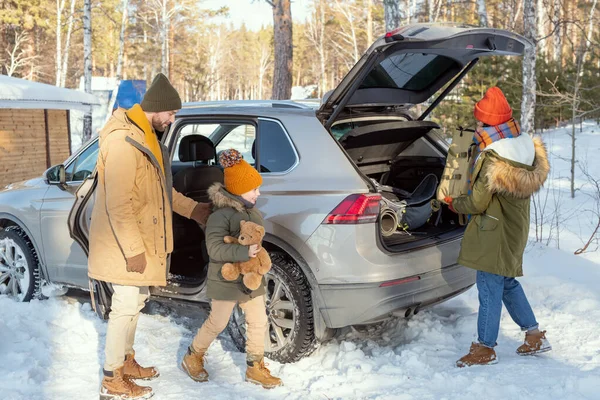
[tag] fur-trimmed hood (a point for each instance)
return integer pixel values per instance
(506, 176)
(221, 198)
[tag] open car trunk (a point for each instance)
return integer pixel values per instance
(404, 164)
(400, 158)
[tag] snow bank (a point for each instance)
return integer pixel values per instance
(53, 349)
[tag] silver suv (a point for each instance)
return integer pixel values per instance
(322, 171)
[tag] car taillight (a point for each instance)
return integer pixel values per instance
(355, 209)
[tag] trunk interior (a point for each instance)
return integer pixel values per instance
(397, 156)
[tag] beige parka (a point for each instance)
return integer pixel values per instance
(133, 206)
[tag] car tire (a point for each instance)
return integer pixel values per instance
(20, 275)
(291, 320)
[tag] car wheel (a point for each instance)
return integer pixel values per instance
(290, 335)
(19, 265)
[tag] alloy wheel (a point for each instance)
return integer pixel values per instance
(14, 270)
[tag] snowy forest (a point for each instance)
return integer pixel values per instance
(208, 59)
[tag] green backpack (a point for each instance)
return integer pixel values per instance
(455, 180)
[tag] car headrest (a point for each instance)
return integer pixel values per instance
(196, 148)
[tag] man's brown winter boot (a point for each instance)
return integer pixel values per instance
(478, 355)
(193, 364)
(535, 343)
(259, 374)
(116, 386)
(133, 370)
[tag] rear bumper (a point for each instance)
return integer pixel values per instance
(355, 304)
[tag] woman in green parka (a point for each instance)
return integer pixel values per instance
(233, 203)
(510, 167)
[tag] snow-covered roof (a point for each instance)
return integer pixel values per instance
(21, 93)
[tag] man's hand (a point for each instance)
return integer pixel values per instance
(136, 263)
(201, 213)
(252, 250)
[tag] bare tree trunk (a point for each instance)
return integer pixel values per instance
(349, 37)
(369, 9)
(265, 62)
(87, 64)
(115, 91)
(518, 11)
(65, 66)
(573, 121)
(391, 10)
(569, 29)
(434, 9)
(214, 51)
(282, 26)
(581, 55)
(316, 35)
(60, 5)
(261, 76)
(557, 35)
(321, 48)
(590, 31)
(482, 12)
(542, 17)
(529, 59)
(164, 28)
(170, 45)
(429, 9)
(145, 41)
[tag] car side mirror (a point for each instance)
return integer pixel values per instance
(56, 175)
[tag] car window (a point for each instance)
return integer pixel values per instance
(275, 150)
(339, 130)
(239, 136)
(193, 129)
(408, 71)
(83, 165)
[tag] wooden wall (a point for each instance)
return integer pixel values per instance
(58, 131)
(27, 149)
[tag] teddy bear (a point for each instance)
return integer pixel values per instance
(253, 269)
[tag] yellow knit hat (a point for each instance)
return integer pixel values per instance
(240, 177)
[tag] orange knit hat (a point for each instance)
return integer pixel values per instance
(493, 109)
(240, 177)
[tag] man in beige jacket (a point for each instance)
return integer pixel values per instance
(131, 230)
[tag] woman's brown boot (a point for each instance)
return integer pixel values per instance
(535, 343)
(478, 355)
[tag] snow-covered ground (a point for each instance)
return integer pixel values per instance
(52, 349)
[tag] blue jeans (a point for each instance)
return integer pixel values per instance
(493, 290)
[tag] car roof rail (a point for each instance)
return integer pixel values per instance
(247, 103)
